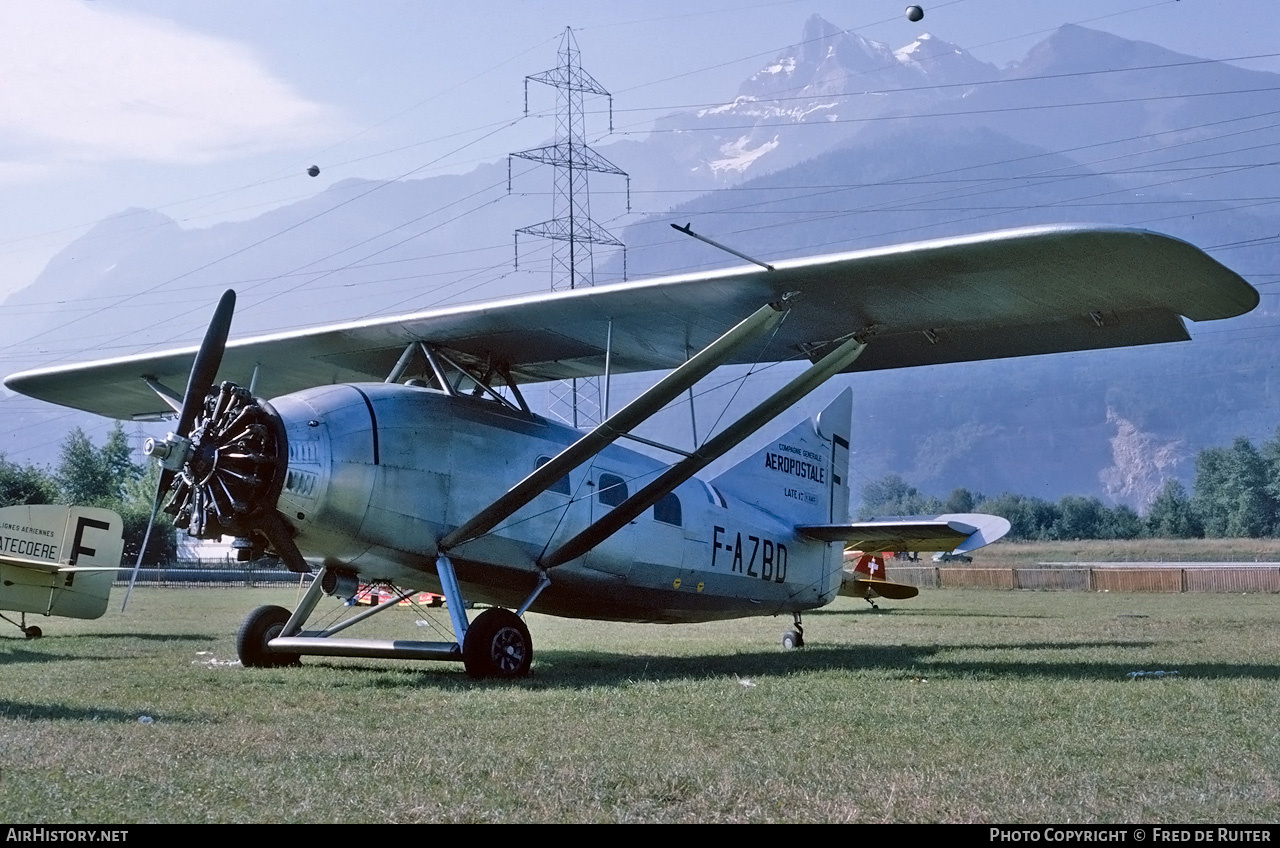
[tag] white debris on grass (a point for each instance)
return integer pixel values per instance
(1134, 675)
(207, 659)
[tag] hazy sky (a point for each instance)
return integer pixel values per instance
(210, 111)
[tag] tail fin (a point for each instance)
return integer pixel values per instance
(871, 565)
(58, 560)
(869, 581)
(801, 476)
(61, 536)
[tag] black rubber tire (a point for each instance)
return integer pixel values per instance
(33, 632)
(497, 645)
(792, 640)
(263, 625)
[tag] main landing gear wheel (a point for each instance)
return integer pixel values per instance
(497, 645)
(33, 632)
(263, 625)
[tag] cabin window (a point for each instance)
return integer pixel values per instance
(667, 510)
(613, 489)
(561, 486)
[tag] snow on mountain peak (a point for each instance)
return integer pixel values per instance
(785, 65)
(830, 74)
(739, 155)
(906, 54)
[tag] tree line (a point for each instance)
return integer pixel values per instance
(1236, 494)
(91, 476)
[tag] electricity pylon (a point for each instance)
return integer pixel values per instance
(573, 232)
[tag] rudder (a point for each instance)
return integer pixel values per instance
(801, 476)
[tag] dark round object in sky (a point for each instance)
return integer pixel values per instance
(314, 171)
(914, 13)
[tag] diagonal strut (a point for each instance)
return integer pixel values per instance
(618, 517)
(620, 423)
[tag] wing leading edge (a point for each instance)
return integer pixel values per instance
(995, 295)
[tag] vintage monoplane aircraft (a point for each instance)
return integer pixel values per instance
(401, 451)
(57, 560)
(864, 572)
(865, 577)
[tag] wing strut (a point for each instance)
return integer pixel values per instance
(618, 424)
(617, 518)
(166, 394)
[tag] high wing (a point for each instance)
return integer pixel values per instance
(952, 532)
(1009, 293)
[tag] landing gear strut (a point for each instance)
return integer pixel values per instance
(30, 631)
(495, 645)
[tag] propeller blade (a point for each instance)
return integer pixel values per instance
(166, 477)
(208, 359)
(203, 370)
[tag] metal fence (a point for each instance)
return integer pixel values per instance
(1099, 577)
(189, 575)
(1231, 578)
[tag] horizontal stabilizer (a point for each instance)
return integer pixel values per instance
(51, 567)
(866, 587)
(952, 532)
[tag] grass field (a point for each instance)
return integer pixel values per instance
(957, 706)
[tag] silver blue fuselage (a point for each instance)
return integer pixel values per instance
(377, 473)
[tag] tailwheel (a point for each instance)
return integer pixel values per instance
(33, 632)
(794, 638)
(263, 625)
(497, 644)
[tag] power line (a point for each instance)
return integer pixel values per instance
(968, 85)
(957, 113)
